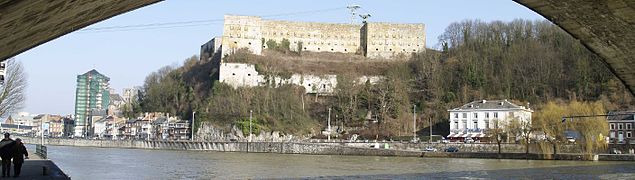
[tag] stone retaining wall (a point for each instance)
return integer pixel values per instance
(396, 149)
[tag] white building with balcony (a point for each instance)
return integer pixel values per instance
(473, 119)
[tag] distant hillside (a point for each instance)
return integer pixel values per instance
(527, 61)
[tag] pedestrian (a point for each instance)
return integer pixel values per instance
(6, 146)
(19, 154)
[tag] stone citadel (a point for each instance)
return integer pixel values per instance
(372, 40)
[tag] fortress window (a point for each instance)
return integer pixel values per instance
(390, 49)
(235, 42)
(233, 74)
(248, 74)
(309, 84)
(323, 85)
(344, 50)
(264, 47)
(376, 49)
(331, 49)
(404, 50)
(304, 48)
(249, 43)
(318, 50)
(413, 50)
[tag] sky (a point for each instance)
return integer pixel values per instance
(127, 56)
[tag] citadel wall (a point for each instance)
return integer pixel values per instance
(314, 37)
(374, 40)
(245, 75)
(242, 32)
(387, 40)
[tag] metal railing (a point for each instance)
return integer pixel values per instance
(40, 150)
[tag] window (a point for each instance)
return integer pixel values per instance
(475, 115)
(629, 126)
(628, 134)
(620, 126)
(486, 124)
(486, 115)
(495, 115)
(464, 124)
(464, 115)
(612, 126)
(475, 125)
(456, 115)
(456, 124)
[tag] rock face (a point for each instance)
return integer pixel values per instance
(208, 132)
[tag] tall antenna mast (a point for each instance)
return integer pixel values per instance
(353, 9)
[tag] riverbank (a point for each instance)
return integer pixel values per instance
(357, 149)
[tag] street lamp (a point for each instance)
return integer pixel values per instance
(250, 116)
(329, 125)
(414, 123)
(193, 113)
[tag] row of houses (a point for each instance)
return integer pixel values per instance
(472, 120)
(152, 126)
(36, 125)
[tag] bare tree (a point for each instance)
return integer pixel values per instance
(497, 132)
(12, 90)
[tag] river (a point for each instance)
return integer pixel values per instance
(111, 163)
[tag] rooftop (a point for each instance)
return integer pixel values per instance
(621, 115)
(490, 104)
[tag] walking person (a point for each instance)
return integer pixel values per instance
(6, 148)
(19, 154)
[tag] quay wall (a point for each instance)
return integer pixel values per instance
(362, 149)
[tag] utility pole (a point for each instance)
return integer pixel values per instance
(430, 121)
(414, 123)
(193, 113)
(329, 125)
(250, 116)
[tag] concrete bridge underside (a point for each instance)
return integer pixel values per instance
(605, 27)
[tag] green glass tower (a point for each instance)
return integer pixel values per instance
(91, 95)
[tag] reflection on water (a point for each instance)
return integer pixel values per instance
(104, 163)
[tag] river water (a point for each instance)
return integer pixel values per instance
(110, 163)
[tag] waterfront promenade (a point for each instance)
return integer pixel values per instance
(38, 168)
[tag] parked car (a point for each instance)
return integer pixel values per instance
(571, 139)
(445, 140)
(452, 149)
(469, 140)
(615, 151)
(431, 149)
